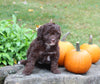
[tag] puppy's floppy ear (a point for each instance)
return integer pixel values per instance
(40, 32)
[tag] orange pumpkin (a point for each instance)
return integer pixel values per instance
(64, 48)
(78, 61)
(93, 49)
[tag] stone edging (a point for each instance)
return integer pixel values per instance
(5, 71)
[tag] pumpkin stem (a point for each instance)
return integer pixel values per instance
(90, 39)
(77, 46)
(65, 36)
(50, 21)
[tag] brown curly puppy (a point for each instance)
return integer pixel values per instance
(44, 49)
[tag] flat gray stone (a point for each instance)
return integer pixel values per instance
(42, 76)
(5, 71)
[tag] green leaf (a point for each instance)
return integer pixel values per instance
(7, 45)
(10, 63)
(4, 62)
(1, 47)
(34, 35)
(23, 45)
(5, 56)
(18, 43)
(0, 58)
(12, 49)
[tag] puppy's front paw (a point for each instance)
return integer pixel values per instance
(56, 71)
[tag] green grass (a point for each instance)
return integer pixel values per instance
(80, 17)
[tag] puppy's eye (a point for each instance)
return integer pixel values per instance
(46, 33)
(53, 33)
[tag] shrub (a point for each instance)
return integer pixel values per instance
(14, 41)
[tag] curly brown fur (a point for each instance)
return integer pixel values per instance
(44, 49)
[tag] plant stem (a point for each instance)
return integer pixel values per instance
(65, 36)
(90, 39)
(77, 46)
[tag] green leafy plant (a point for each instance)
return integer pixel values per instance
(14, 41)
